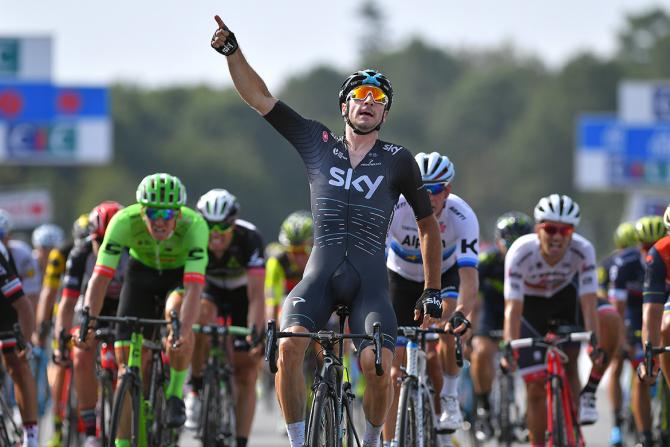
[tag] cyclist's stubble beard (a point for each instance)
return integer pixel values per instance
(439, 201)
(358, 115)
(161, 229)
(219, 242)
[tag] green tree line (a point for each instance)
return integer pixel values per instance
(504, 118)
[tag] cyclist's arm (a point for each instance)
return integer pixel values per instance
(96, 290)
(194, 271)
(274, 288)
(50, 286)
(25, 315)
(589, 303)
(467, 289)
(429, 235)
(588, 286)
(255, 286)
(617, 292)
(72, 282)
(247, 82)
(513, 311)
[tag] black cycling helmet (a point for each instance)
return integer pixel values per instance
(510, 226)
(366, 77)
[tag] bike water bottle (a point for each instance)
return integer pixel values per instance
(107, 358)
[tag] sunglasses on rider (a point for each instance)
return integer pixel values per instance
(552, 229)
(434, 188)
(220, 227)
(361, 92)
(160, 213)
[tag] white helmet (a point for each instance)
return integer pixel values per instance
(666, 218)
(435, 168)
(218, 205)
(6, 223)
(557, 208)
(48, 235)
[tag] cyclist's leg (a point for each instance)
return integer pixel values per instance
(370, 306)
(307, 308)
(18, 367)
(208, 314)
(245, 366)
(56, 378)
(85, 375)
(142, 295)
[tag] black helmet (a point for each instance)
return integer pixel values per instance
(511, 225)
(367, 77)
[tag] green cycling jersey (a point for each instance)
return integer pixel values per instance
(187, 247)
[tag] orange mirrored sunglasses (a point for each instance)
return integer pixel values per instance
(361, 92)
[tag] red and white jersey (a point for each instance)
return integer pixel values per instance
(459, 232)
(527, 273)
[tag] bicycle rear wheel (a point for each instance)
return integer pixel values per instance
(10, 433)
(406, 429)
(322, 429)
(127, 389)
(507, 402)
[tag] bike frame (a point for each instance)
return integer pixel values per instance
(415, 368)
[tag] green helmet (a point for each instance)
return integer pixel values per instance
(161, 191)
(624, 235)
(297, 229)
(649, 229)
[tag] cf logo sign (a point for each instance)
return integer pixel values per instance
(360, 183)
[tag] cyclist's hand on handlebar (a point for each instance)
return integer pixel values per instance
(457, 323)
(256, 342)
(508, 361)
(429, 305)
(598, 355)
(89, 340)
(643, 374)
(183, 343)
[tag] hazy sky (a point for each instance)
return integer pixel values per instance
(164, 43)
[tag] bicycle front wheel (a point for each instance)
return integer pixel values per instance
(407, 428)
(106, 402)
(558, 435)
(127, 390)
(211, 411)
(71, 420)
(429, 431)
(322, 430)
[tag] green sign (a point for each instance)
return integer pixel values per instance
(9, 57)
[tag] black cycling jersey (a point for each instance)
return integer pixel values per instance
(79, 269)
(352, 208)
(244, 253)
(11, 290)
(491, 282)
(604, 273)
(626, 276)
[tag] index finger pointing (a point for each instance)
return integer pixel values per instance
(219, 22)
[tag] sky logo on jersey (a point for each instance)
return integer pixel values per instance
(358, 183)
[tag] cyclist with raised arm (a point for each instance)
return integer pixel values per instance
(233, 291)
(15, 307)
(626, 282)
(285, 267)
(655, 303)
(167, 242)
(488, 330)
(459, 232)
(79, 268)
(355, 181)
(549, 277)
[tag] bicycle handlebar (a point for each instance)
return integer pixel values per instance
(649, 354)
(544, 342)
(321, 337)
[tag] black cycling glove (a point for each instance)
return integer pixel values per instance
(229, 46)
(457, 318)
(430, 303)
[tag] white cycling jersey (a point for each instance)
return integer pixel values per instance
(26, 266)
(527, 273)
(459, 230)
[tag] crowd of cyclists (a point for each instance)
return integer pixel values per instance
(386, 236)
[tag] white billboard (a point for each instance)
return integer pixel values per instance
(28, 207)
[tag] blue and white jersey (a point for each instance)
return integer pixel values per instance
(459, 231)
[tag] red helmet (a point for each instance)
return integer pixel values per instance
(100, 216)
